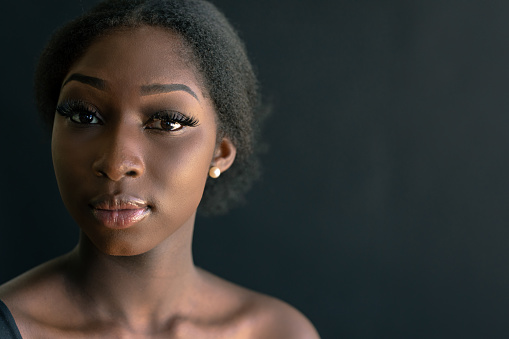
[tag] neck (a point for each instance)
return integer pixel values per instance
(139, 289)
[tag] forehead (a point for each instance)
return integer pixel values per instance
(139, 56)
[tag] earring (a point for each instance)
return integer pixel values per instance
(214, 172)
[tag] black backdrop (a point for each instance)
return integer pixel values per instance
(382, 210)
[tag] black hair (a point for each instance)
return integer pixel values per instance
(218, 53)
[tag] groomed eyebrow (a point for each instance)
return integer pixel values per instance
(166, 88)
(92, 81)
(144, 90)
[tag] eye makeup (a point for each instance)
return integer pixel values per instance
(81, 112)
(168, 120)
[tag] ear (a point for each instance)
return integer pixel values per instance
(224, 154)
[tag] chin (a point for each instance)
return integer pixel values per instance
(122, 249)
(118, 243)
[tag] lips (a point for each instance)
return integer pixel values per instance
(119, 211)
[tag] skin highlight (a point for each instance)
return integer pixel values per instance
(139, 280)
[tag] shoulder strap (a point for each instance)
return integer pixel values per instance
(8, 328)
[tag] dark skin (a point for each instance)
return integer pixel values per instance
(136, 278)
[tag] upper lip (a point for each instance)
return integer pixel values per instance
(117, 202)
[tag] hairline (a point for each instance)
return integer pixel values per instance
(184, 50)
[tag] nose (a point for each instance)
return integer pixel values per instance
(119, 156)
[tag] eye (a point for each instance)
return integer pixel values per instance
(84, 118)
(163, 124)
(79, 112)
(170, 121)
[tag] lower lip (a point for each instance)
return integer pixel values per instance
(120, 219)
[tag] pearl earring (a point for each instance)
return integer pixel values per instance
(214, 172)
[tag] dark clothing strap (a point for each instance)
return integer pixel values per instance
(8, 328)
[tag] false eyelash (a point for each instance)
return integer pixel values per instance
(70, 107)
(175, 117)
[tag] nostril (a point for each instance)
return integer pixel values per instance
(100, 173)
(131, 173)
(115, 169)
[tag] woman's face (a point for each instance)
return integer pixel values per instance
(133, 139)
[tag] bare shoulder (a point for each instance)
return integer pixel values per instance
(266, 317)
(27, 295)
(277, 319)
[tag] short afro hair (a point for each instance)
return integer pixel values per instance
(218, 53)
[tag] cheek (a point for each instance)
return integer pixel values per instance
(65, 160)
(179, 168)
(71, 158)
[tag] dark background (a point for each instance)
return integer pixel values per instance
(383, 208)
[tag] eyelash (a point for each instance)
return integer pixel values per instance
(76, 110)
(70, 109)
(171, 117)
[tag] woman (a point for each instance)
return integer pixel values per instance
(149, 102)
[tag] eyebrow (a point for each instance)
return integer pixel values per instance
(166, 88)
(92, 81)
(144, 90)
